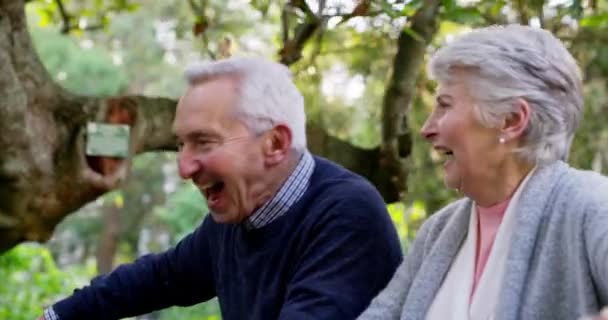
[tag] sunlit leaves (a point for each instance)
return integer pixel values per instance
(464, 15)
(81, 14)
(411, 7)
(83, 71)
(262, 5)
(413, 34)
(119, 200)
(407, 219)
(595, 21)
(497, 7)
(183, 211)
(30, 280)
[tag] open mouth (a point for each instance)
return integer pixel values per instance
(213, 191)
(446, 153)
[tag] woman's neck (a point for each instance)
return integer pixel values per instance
(501, 184)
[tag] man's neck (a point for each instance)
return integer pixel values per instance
(275, 178)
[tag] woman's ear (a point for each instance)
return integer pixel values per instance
(515, 124)
(277, 144)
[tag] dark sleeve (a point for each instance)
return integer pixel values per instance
(180, 276)
(351, 255)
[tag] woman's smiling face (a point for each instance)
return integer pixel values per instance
(471, 149)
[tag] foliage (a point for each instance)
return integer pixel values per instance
(31, 280)
(205, 311)
(184, 210)
(407, 220)
(84, 71)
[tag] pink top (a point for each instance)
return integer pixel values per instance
(488, 222)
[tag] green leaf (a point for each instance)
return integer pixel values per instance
(261, 5)
(410, 8)
(595, 21)
(45, 17)
(497, 7)
(466, 15)
(413, 34)
(390, 10)
(449, 4)
(132, 7)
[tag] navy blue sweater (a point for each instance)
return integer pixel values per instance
(325, 258)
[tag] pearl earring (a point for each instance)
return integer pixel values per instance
(502, 140)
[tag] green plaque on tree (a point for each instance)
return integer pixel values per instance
(107, 140)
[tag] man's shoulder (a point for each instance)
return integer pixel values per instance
(334, 178)
(338, 195)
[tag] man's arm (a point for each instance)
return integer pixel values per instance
(351, 257)
(180, 276)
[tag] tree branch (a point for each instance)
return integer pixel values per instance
(65, 17)
(284, 25)
(303, 6)
(199, 9)
(292, 48)
(347, 16)
(520, 6)
(67, 26)
(365, 162)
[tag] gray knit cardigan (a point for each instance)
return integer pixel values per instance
(557, 265)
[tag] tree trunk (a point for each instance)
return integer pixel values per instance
(396, 139)
(110, 235)
(44, 172)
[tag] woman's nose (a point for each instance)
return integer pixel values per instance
(428, 130)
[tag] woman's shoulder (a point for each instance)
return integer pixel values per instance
(454, 213)
(564, 185)
(579, 199)
(584, 187)
(449, 210)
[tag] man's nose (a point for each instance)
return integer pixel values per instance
(187, 164)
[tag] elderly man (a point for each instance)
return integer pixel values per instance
(289, 235)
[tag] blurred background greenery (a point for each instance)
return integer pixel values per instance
(141, 47)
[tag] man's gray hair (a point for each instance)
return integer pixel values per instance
(267, 94)
(507, 63)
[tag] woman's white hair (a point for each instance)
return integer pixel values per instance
(507, 63)
(267, 94)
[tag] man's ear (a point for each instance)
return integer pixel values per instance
(277, 144)
(515, 124)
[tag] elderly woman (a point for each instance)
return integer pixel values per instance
(530, 238)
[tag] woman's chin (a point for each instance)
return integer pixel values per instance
(451, 182)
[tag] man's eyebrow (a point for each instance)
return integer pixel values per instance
(200, 135)
(444, 98)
